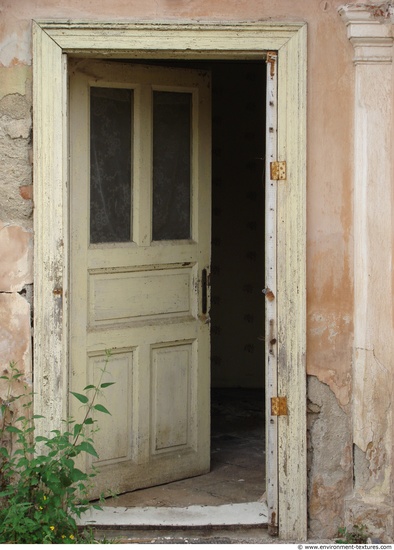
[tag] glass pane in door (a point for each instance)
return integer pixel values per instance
(171, 165)
(110, 165)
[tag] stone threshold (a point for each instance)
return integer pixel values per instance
(238, 514)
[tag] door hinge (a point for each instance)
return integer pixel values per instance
(271, 59)
(278, 406)
(278, 170)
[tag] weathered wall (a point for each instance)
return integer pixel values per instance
(329, 207)
(371, 33)
(16, 245)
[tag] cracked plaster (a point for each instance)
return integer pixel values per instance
(15, 145)
(373, 416)
(330, 461)
(15, 335)
(16, 267)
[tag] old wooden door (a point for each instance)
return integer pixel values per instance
(139, 266)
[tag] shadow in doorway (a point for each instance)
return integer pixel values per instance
(237, 458)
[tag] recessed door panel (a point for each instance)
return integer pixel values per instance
(114, 443)
(116, 297)
(172, 375)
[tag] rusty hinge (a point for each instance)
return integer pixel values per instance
(271, 59)
(278, 170)
(278, 406)
(273, 529)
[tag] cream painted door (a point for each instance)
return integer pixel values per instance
(140, 256)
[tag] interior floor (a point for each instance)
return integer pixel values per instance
(237, 458)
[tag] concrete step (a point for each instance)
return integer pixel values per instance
(237, 514)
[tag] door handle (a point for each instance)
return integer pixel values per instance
(204, 291)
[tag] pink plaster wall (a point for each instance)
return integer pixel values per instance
(15, 337)
(330, 143)
(16, 269)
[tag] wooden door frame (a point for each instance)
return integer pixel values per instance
(53, 42)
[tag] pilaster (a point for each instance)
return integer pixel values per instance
(370, 32)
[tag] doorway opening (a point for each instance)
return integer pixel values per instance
(53, 43)
(237, 472)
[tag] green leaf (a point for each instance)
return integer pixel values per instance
(22, 462)
(106, 384)
(88, 448)
(82, 398)
(68, 462)
(12, 429)
(35, 416)
(101, 408)
(89, 420)
(40, 438)
(97, 507)
(77, 429)
(90, 387)
(77, 475)
(19, 452)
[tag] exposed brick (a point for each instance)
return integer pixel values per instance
(26, 192)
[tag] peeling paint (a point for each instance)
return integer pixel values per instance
(16, 266)
(330, 354)
(330, 463)
(379, 11)
(15, 334)
(15, 148)
(372, 391)
(15, 50)
(374, 513)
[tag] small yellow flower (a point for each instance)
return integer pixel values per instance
(63, 536)
(51, 527)
(45, 497)
(41, 508)
(72, 537)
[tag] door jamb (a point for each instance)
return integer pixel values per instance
(53, 41)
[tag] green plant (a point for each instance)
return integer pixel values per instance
(41, 489)
(357, 535)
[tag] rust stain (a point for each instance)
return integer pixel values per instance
(269, 294)
(271, 59)
(272, 526)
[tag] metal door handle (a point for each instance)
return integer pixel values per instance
(204, 291)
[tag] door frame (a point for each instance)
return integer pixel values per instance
(53, 42)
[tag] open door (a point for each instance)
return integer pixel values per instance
(139, 266)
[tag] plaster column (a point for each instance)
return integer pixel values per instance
(370, 31)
